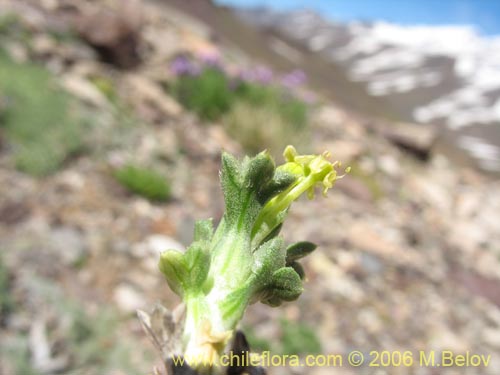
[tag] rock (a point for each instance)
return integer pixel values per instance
(371, 264)
(84, 90)
(493, 366)
(416, 139)
(344, 151)
(154, 245)
(147, 281)
(492, 337)
(13, 212)
(355, 189)
(362, 237)
(390, 165)
(445, 339)
(370, 320)
(329, 117)
(69, 244)
(72, 180)
(219, 136)
(168, 145)
(432, 191)
(467, 236)
(44, 45)
(17, 51)
(40, 348)
(144, 208)
(128, 299)
(321, 371)
(164, 42)
(114, 33)
(334, 278)
(49, 4)
(150, 99)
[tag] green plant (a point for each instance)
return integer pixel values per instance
(16, 353)
(7, 22)
(106, 87)
(91, 338)
(244, 260)
(292, 110)
(256, 94)
(6, 301)
(368, 179)
(38, 123)
(208, 93)
(256, 343)
(264, 116)
(262, 126)
(298, 338)
(143, 181)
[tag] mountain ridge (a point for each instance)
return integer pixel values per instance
(447, 76)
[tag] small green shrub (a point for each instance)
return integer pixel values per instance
(208, 94)
(259, 127)
(257, 344)
(294, 111)
(256, 94)
(370, 180)
(264, 116)
(13, 29)
(145, 182)
(38, 124)
(92, 340)
(7, 22)
(16, 353)
(6, 302)
(106, 87)
(258, 113)
(299, 338)
(90, 336)
(296, 339)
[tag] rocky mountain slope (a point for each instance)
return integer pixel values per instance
(447, 75)
(408, 254)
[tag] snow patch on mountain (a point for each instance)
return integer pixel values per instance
(462, 107)
(486, 153)
(376, 49)
(443, 75)
(386, 84)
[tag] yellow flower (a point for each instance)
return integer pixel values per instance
(310, 171)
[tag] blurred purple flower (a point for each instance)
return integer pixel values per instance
(308, 97)
(184, 66)
(294, 78)
(263, 75)
(260, 74)
(211, 59)
(247, 75)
